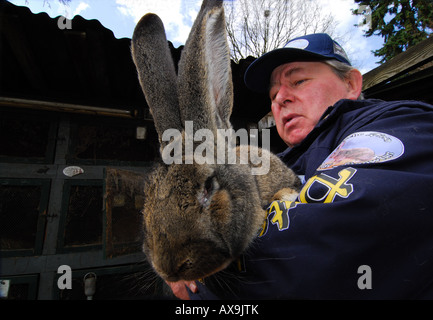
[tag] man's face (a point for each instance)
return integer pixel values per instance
(300, 93)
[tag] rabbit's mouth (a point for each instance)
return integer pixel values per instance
(220, 268)
(189, 271)
(193, 267)
(197, 275)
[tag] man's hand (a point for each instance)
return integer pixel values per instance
(179, 288)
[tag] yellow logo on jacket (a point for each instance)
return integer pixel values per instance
(321, 188)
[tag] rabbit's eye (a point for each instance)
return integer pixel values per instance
(208, 186)
(185, 206)
(207, 191)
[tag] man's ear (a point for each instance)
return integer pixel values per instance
(354, 84)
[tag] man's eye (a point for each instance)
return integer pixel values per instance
(298, 82)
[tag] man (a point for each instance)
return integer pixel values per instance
(362, 225)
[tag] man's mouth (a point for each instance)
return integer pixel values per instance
(288, 118)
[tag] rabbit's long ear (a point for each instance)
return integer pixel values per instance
(205, 80)
(156, 73)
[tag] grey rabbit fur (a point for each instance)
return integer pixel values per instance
(198, 218)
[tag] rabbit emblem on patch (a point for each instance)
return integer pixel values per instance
(199, 217)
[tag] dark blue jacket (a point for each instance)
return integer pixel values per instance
(362, 227)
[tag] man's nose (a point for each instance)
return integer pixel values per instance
(284, 96)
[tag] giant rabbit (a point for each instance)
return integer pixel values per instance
(199, 217)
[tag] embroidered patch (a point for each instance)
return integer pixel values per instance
(364, 147)
(298, 44)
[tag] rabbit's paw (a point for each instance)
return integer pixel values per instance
(286, 194)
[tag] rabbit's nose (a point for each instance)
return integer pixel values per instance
(177, 272)
(185, 266)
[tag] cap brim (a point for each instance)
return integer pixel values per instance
(258, 74)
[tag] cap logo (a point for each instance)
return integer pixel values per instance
(340, 51)
(298, 44)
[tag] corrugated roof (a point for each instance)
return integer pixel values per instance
(84, 65)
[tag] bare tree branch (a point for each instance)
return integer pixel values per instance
(255, 27)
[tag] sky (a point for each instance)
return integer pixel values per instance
(121, 16)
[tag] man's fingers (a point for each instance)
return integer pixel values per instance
(179, 288)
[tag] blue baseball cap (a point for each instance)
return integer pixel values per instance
(312, 47)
